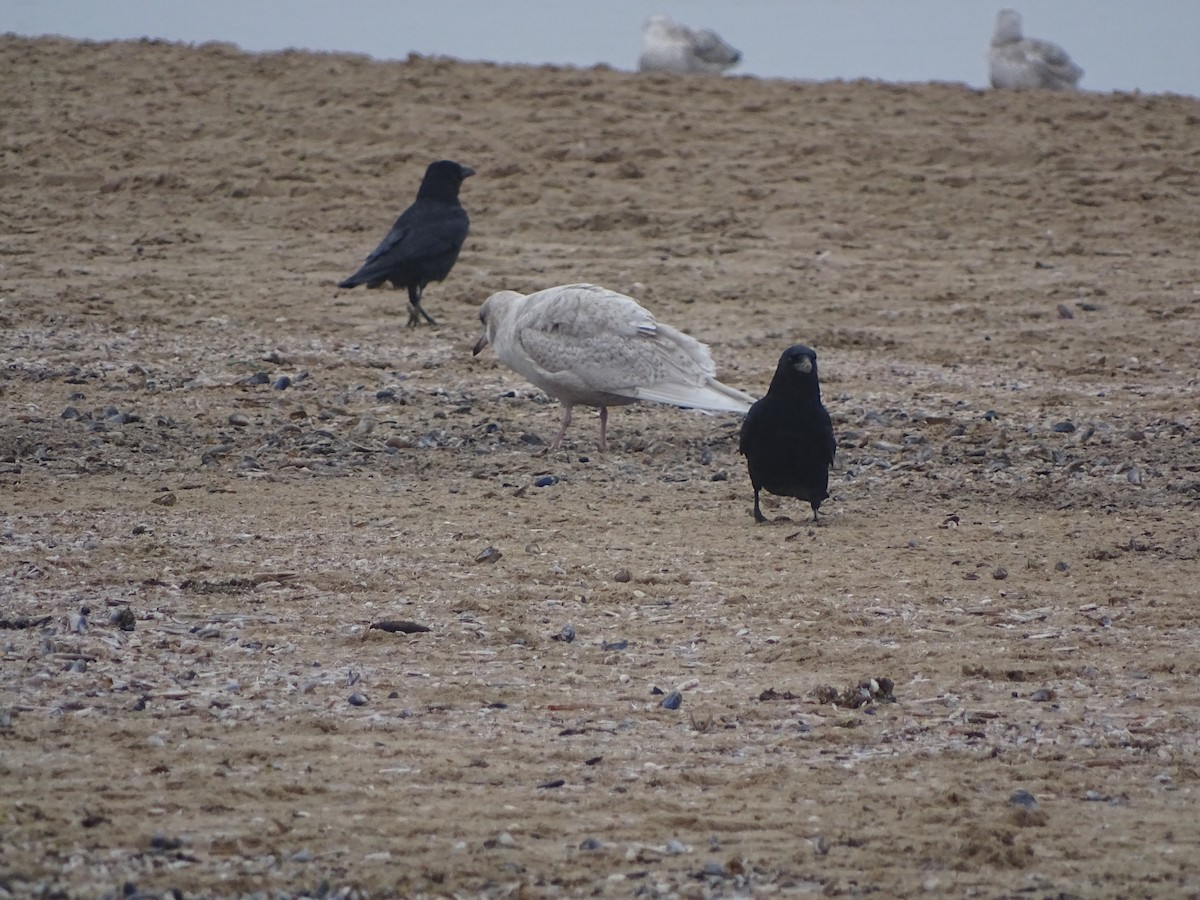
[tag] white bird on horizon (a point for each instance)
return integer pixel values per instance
(582, 343)
(668, 46)
(1017, 62)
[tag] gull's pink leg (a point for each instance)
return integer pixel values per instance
(566, 420)
(603, 427)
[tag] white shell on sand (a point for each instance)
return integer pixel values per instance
(1017, 62)
(668, 46)
(586, 344)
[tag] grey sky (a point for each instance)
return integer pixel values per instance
(1148, 45)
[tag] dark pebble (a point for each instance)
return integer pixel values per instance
(673, 700)
(566, 635)
(1061, 566)
(556, 783)
(714, 869)
(1064, 427)
(282, 383)
(614, 645)
(1045, 695)
(161, 842)
(70, 413)
(545, 481)
(491, 428)
(386, 394)
(720, 476)
(1023, 798)
(256, 378)
(656, 691)
(402, 626)
(991, 415)
(357, 700)
(1000, 574)
(590, 844)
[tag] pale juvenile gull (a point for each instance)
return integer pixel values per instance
(586, 344)
(668, 46)
(1017, 62)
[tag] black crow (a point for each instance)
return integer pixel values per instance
(424, 243)
(787, 437)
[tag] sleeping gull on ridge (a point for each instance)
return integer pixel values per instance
(1017, 62)
(586, 344)
(670, 47)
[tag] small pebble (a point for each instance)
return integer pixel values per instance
(613, 645)
(239, 420)
(70, 413)
(1000, 574)
(488, 555)
(1064, 427)
(386, 395)
(590, 843)
(674, 848)
(282, 383)
(623, 576)
(256, 378)
(1043, 696)
(673, 700)
(1023, 799)
(1061, 566)
(356, 699)
(123, 618)
(567, 635)
(545, 481)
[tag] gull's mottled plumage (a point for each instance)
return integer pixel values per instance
(1018, 62)
(668, 46)
(585, 344)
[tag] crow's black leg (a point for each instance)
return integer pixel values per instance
(758, 516)
(415, 310)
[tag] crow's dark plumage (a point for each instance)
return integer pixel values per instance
(424, 243)
(787, 437)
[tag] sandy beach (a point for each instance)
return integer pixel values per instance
(237, 469)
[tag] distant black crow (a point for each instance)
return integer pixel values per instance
(424, 243)
(787, 437)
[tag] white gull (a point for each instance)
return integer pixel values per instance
(1018, 62)
(668, 46)
(585, 344)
